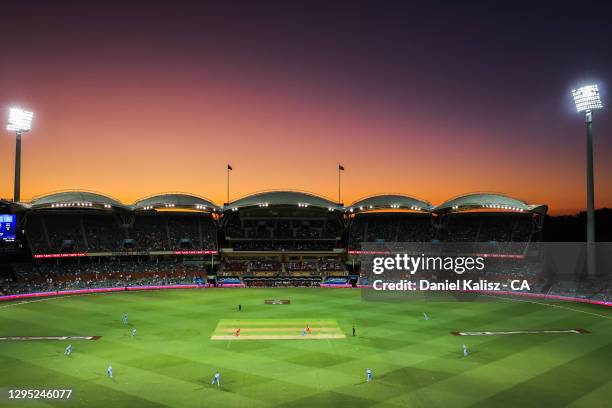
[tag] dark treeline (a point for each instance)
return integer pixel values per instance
(572, 228)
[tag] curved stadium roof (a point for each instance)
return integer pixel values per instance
(487, 201)
(391, 201)
(74, 197)
(180, 200)
(473, 201)
(283, 197)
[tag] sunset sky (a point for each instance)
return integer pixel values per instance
(431, 100)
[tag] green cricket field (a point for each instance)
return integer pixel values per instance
(303, 354)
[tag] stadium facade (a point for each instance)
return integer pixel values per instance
(281, 223)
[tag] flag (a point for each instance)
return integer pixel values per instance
(340, 167)
(229, 167)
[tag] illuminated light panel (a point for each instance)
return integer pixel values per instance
(19, 120)
(587, 98)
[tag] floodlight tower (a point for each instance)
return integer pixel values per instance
(587, 99)
(20, 121)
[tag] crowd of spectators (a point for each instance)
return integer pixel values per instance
(487, 228)
(458, 228)
(283, 229)
(36, 235)
(236, 266)
(283, 245)
(104, 233)
(150, 232)
(43, 277)
(389, 228)
(65, 233)
(264, 265)
(594, 289)
(296, 266)
(80, 232)
(320, 266)
(282, 282)
(331, 265)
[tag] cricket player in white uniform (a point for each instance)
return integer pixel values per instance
(68, 350)
(465, 351)
(216, 379)
(133, 332)
(425, 316)
(125, 318)
(109, 371)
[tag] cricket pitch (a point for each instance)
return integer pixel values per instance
(276, 329)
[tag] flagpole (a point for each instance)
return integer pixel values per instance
(339, 196)
(228, 171)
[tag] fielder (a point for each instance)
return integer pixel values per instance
(125, 318)
(368, 375)
(109, 371)
(465, 351)
(68, 350)
(133, 332)
(425, 316)
(216, 379)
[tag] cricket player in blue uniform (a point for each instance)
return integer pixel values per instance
(68, 350)
(368, 375)
(216, 379)
(125, 318)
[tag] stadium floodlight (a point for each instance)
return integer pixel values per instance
(587, 99)
(19, 121)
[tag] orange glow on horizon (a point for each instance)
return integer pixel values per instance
(130, 141)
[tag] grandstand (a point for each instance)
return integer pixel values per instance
(78, 222)
(174, 222)
(486, 217)
(274, 238)
(282, 238)
(389, 218)
(283, 221)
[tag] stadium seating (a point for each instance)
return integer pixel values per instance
(389, 228)
(488, 227)
(46, 276)
(57, 232)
